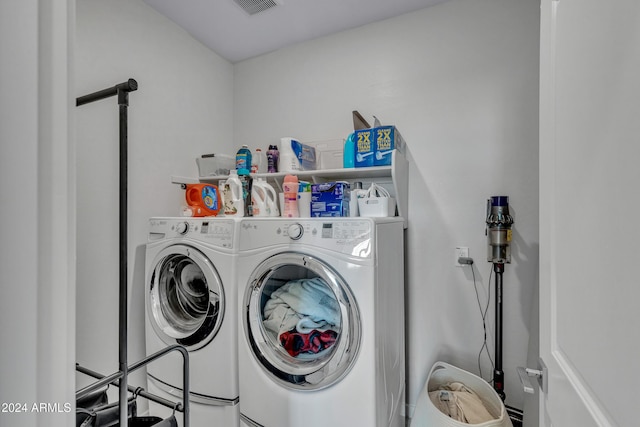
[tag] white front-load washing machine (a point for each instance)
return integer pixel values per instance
(191, 300)
(322, 322)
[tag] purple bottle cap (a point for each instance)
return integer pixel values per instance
(500, 201)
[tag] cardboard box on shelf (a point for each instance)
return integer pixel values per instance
(385, 140)
(364, 151)
(375, 145)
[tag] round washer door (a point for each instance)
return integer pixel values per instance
(185, 298)
(314, 354)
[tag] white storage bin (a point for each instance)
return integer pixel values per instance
(377, 206)
(428, 415)
(328, 153)
(377, 202)
(215, 164)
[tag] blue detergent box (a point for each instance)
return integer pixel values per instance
(384, 140)
(364, 148)
(330, 199)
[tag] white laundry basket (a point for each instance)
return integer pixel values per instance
(427, 415)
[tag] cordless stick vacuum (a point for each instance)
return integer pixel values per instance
(498, 232)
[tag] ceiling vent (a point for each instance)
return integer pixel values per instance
(255, 6)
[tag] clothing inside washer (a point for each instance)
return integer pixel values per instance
(301, 314)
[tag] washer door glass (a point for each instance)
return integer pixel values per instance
(185, 298)
(301, 321)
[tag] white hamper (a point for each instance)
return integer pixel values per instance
(428, 415)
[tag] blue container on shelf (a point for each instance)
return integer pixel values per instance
(243, 161)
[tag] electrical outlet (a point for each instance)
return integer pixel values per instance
(461, 252)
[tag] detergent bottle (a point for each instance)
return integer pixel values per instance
(203, 199)
(290, 190)
(247, 184)
(243, 161)
(233, 202)
(272, 158)
(272, 199)
(259, 162)
(259, 198)
(349, 152)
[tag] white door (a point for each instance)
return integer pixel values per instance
(590, 212)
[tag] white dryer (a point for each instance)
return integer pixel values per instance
(191, 300)
(322, 319)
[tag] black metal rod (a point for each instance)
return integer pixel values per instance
(113, 379)
(128, 86)
(185, 374)
(498, 373)
(122, 90)
(110, 379)
(123, 101)
(139, 391)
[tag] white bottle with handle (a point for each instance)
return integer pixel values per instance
(233, 203)
(272, 199)
(259, 198)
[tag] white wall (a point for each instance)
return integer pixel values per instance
(19, 133)
(182, 109)
(460, 80)
(37, 316)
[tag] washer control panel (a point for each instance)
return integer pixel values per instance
(344, 235)
(216, 232)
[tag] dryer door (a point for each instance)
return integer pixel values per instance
(185, 297)
(301, 321)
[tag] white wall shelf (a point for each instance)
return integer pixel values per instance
(394, 178)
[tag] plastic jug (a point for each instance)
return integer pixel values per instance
(259, 198)
(203, 199)
(264, 199)
(243, 161)
(349, 152)
(272, 199)
(258, 162)
(233, 202)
